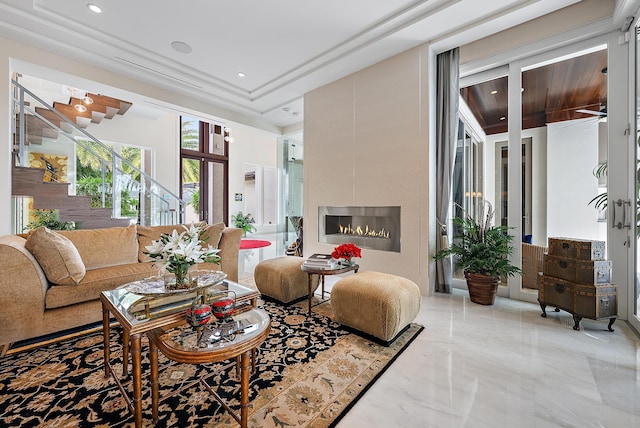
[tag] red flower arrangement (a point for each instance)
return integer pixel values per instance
(346, 251)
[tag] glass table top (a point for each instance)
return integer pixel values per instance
(218, 335)
(136, 308)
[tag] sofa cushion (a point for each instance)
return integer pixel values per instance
(57, 255)
(96, 281)
(148, 234)
(212, 234)
(101, 248)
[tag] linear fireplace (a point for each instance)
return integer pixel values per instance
(377, 228)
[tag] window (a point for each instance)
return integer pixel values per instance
(204, 170)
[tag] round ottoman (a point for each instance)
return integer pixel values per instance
(378, 304)
(282, 279)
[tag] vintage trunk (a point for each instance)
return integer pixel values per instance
(556, 292)
(581, 300)
(577, 248)
(596, 302)
(581, 271)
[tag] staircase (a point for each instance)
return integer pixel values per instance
(46, 123)
(52, 195)
(56, 130)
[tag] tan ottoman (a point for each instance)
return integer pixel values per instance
(378, 304)
(283, 279)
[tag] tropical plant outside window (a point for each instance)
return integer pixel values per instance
(190, 140)
(600, 201)
(89, 170)
(190, 131)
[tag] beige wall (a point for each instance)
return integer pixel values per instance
(571, 17)
(366, 143)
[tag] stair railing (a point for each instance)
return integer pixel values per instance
(151, 192)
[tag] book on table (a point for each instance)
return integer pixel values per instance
(321, 261)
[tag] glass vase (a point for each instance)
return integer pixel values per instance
(179, 279)
(347, 262)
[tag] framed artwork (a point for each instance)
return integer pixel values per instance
(55, 166)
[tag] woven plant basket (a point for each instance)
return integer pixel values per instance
(482, 288)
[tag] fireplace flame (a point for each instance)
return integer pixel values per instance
(358, 231)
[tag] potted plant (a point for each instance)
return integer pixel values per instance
(49, 219)
(482, 251)
(244, 222)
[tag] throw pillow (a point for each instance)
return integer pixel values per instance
(212, 235)
(57, 256)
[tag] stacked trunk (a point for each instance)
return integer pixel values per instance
(577, 279)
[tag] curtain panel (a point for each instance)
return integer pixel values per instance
(447, 94)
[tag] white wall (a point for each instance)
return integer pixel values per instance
(15, 56)
(249, 146)
(572, 154)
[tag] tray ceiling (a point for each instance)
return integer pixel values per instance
(285, 48)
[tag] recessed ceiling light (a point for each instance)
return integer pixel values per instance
(80, 108)
(181, 47)
(494, 92)
(94, 8)
(87, 99)
(241, 74)
(502, 118)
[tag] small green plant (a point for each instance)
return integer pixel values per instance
(49, 219)
(244, 222)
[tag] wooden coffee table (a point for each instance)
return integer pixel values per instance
(181, 344)
(321, 274)
(138, 315)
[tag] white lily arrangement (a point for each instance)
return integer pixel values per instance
(176, 252)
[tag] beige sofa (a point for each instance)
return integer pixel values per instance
(31, 305)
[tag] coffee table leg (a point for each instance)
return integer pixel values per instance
(136, 351)
(322, 279)
(125, 353)
(244, 388)
(309, 275)
(105, 340)
(153, 357)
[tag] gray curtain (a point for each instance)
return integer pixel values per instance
(447, 94)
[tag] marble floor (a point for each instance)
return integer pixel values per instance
(503, 366)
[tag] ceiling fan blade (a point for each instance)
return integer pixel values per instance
(593, 112)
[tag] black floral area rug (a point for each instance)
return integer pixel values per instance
(309, 372)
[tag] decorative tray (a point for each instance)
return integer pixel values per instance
(155, 286)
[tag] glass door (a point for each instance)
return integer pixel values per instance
(502, 186)
(634, 286)
(545, 117)
(290, 194)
